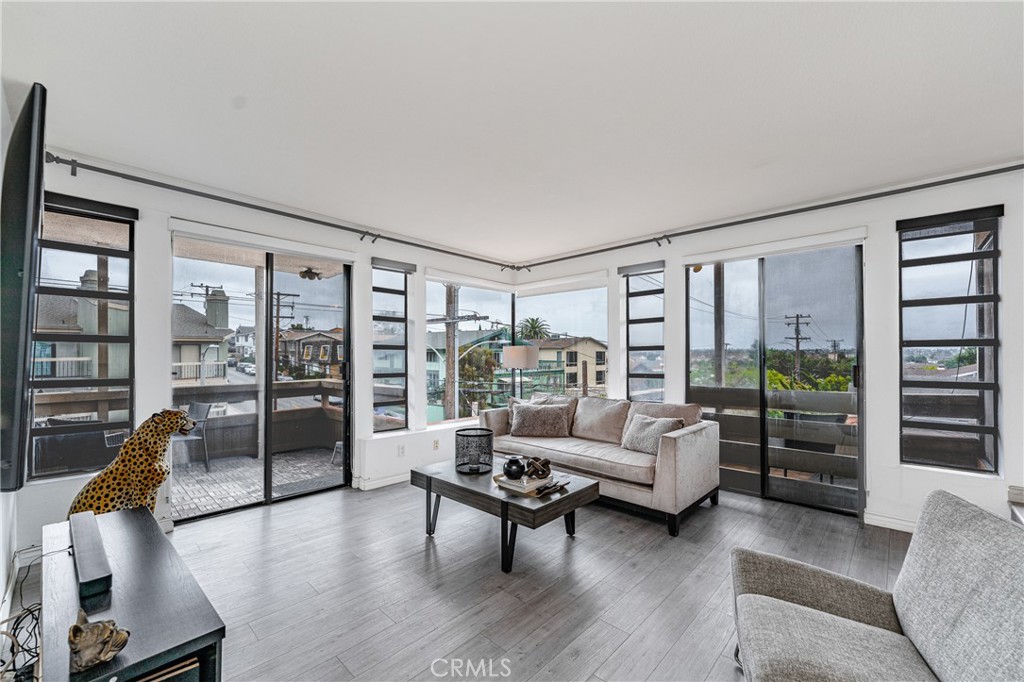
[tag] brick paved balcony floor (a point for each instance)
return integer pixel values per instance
(236, 481)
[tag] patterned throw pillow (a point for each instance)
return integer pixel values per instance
(542, 421)
(644, 433)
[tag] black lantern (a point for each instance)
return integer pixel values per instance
(474, 450)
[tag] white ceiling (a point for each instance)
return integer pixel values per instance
(520, 131)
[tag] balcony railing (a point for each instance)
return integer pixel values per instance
(192, 371)
(61, 368)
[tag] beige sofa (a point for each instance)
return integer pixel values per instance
(682, 475)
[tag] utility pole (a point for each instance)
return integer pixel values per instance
(451, 351)
(834, 345)
(279, 303)
(797, 338)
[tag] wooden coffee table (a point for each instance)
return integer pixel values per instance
(479, 491)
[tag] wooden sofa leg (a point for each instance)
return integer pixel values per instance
(673, 524)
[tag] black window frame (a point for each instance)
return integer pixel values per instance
(404, 347)
(572, 358)
(630, 348)
(93, 210)
(915, 230)
(601, 357)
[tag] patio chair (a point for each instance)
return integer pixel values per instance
(200, 412)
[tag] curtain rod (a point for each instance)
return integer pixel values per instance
(363, 234)
(780, 214)
(77, 165)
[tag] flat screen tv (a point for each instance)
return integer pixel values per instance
(21, 209)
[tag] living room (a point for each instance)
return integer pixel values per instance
(322, 229)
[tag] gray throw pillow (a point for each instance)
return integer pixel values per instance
(542, 421)
(600, 419)
(644, 433)
(688, 413)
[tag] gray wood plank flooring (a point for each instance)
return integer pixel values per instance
(344, 585)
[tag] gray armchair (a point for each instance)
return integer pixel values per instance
(956, 611)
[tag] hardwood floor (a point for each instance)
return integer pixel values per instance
(345, 585)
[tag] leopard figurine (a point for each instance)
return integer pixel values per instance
(135, 475)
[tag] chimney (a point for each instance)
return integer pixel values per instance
(90, 280)
(217, 308)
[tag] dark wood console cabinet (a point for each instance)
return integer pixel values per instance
(175, 632)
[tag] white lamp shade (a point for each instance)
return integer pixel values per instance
(521, 357)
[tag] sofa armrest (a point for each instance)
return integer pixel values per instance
(496, 420)
(813, 587)
(687, 467)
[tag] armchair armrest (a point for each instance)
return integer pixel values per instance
(496, 420)
(813, 587)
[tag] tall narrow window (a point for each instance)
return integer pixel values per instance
(949, 335)
(81, 386)
(390, 344)
(645, 331)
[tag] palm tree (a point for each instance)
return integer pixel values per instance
(533, 328)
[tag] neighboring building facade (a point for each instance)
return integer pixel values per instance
(317, 353)
(200, 343)
(570, 354)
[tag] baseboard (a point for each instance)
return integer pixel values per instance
(891, 522)
(373, 483)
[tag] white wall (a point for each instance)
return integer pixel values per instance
(895, 490)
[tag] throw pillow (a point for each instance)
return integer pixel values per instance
(644, 433)
(555, 399)
(688, 413)
(600, 419)
(542, 421)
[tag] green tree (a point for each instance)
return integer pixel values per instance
(533, 328)
(967, 356)
(476, 380)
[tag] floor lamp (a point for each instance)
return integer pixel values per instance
(520, 357)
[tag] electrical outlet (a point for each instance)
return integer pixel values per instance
(401, 451)
(437, 444)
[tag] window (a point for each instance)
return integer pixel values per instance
(600, 377)
(645, 331)
(390, 345)
(82, 382)
(571, 330)
(307, 352)
(325, 353)
(600, 357)
(467, 328)
(949, 335)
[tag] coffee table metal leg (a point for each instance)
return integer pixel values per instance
(432, 515)
(570, 523)
(508, 539)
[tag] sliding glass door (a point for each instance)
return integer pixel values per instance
(259, 359)
(308, 403)
(774, 346)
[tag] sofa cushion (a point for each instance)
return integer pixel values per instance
(960, 590)
(688, 413)
(551, 421)
(643, 433)
(587, 457)
(555, 399)
(600, 419)
(780, 640)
